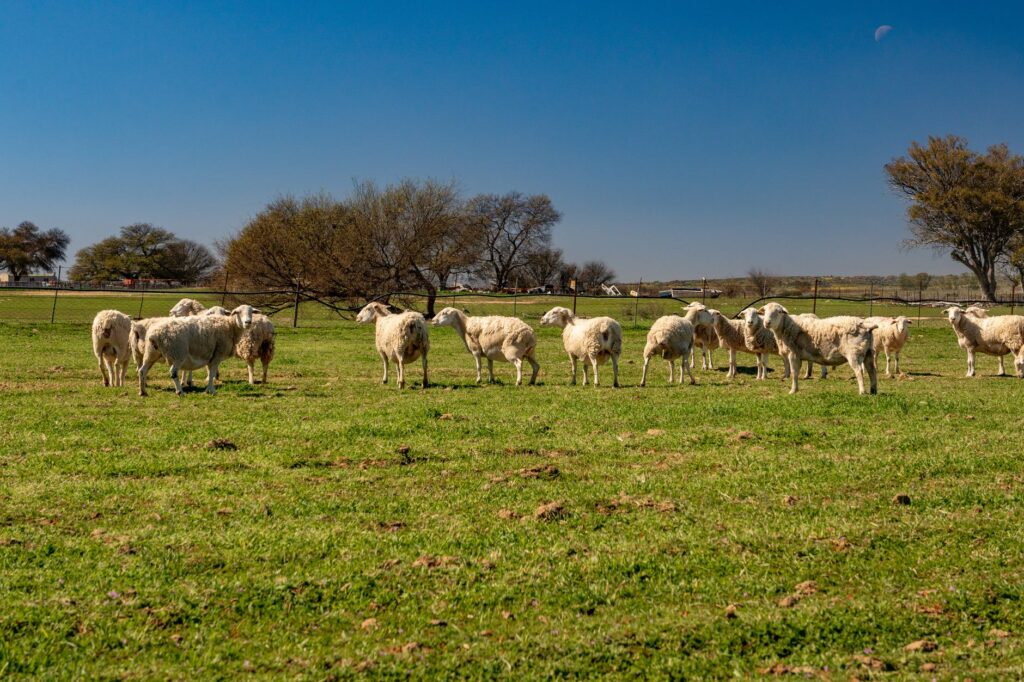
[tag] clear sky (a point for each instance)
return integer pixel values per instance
(678, 139)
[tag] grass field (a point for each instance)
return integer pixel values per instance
(325, 526)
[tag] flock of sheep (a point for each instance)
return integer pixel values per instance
(770, 330)
(190, 338)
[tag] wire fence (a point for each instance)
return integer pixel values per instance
(42, 304)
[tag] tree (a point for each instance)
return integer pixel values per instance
(763, 281)
(514, 226)
(1014, 259)
(967, 203)
(27, 248)
(142, 250)
(543, 266)
(593, 274)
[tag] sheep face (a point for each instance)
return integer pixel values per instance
(445, 318)
(182, 308)
(954, 313)
(976, 311)
(694, 304)
(557, 317)
(370, 312)
(702, 317)
(901, 323)
(243, 314)
(773, 314)
(750, 317)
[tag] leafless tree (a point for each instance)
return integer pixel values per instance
(513, 226)
(763, 281)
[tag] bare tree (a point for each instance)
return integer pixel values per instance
(514, 226)
(968, 203)
(593, 274)
(763, 281)
(543, 266)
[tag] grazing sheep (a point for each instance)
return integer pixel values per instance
(762, 342)
(672, 336)
(594, 341)
(256, 343)
(831, 341)
(494, 337)
(188, 343)
(705, 338)
(400, 338)
(110, 343)
(890, 336)
(999, 335)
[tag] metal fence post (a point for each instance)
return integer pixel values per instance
(704, 290)
(814, 306)
(142, 299)
(56, 289)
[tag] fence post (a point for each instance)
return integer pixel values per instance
(295, 314)
(572, 283)
(56, 289)
(704, 290)
(814, 306)
(142, 299)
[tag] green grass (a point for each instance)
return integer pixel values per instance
(320, 548)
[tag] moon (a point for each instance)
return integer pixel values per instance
(882, 31)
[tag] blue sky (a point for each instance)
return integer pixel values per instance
(678, 139)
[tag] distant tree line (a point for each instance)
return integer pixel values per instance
(415, 235)
(143, 251)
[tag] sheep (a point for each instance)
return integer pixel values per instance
(186, 307)
(494, 337)
(731, 336)
(255, 343)
(216, 310)
(761, 341)
(831, 341)
(110, 343)
(890, 336)
(997, 336)
(593, 341)
(672, 336)
(400, 338)
(705, 338)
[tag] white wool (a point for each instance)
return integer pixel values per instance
(672, 337)
(111, 345)
(400, 338)
(493, 337)
(256, 343)
(593, 341)
(998, 335)
(890, 336)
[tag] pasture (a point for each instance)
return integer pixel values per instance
(324, 526)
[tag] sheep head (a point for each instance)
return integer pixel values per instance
(243, 315)
(954, 313)
(447, 317)
(557, 317)
(750, 317)
(901, 323)
(186, 307)
(773, 314)
(371, 311)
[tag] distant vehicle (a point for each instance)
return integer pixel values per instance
(543, 289)
(689, 292)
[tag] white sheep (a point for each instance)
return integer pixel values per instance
(704, 338)
(216, 310)
(493, 337)
(256, 343)
(186, 307)
(188, 343)
(594, 341)
(761, 342)
(831, 341)
(890, 336)
(672, 336)
(999, 335)
(731, 336)
(110, 343)
(400, 338)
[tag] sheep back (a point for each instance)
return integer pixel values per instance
(498, 337)
(402, 337)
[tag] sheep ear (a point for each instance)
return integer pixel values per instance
(760, 311)
(257, 310)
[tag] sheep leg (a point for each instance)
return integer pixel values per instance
(518, 362)
(210, 376)
(188, 378)
(266, 364)
(615, 371)
(401, 373)
(490, 369)
(250, 364)
(423, 360)
(970, 362)
(794, 372)
(572, 361)
(857, 365)
(810, 369)
(174, 377)
(732, 363)
(671, 371)
(869, 362)
(897, 354)
(593, 363)
(643, 374)
(479, 373)
(1018, 364)
(1002, 369)
(385, 359)
(887, 364)
(536, 368)
(711, 357)
(687, 366)
(824, 371)
(103, 369)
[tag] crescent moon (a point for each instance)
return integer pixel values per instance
(882, 31)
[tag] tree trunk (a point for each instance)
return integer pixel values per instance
(431, 299)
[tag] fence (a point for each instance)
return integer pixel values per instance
(59, 304)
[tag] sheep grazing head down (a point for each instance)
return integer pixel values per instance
(244, 315)
(557, 317)
(445, 318)
(371, 311)
(773, 314)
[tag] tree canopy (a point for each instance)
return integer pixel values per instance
(963, 202)
(27, 248)
(143, 251)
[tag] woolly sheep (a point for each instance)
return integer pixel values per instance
(594, 341)
(997, 336)
(186, 307)
(255, 343)
(761, 342)
(672, 337)
(705, 338)
(400, 338)
(732, 337)
(495, 338)
(110, 343)
(216, 310)
(831, 341)
(890, 336)
(188, 343)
